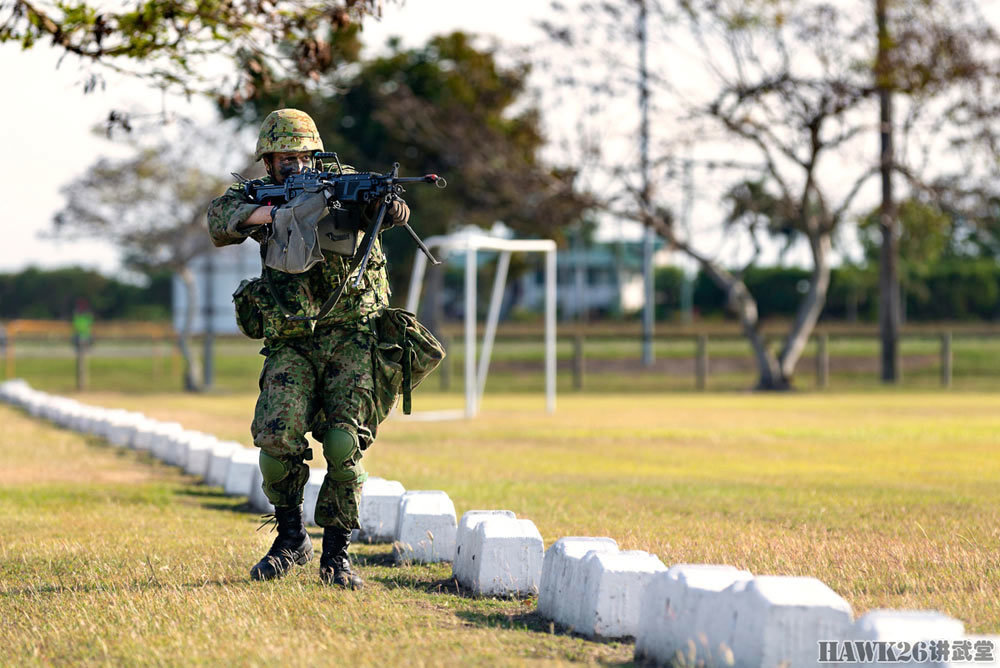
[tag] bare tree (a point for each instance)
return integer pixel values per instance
(153, 206)
(794, 90)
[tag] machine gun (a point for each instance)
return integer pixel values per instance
(360, 188)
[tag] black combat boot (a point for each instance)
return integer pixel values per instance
(334, 565)
(291, 546)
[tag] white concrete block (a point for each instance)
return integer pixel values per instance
(145, 434)
(92, 421)
(612, 591)
(242, 471)
(121, 432)
(55, 409)
(70, 419)
(185, 442)
(505, 558)
(11, 388)
(176, 453)
(258, 500)
(218, 462)
(139, 421)
(902, 626)
(426, 527)
(379, 511)
(199, 452)
(50, 407)
(77, 418)
(35, 402)
(779, 620)
(905, 625)
(562, 579)
(315, 482)
(108, 422)
(162, 441)
(14, 396)
(59, 409)
(141, 437)
(87, 420)
(23, 396)
(461, 567)
(74, 420)
(672, 616)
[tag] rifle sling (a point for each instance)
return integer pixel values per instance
(407, 373)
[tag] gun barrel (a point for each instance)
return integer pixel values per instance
(426, 178)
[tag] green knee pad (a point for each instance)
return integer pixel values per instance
(282, 481)
(340, 447)
(271, 469)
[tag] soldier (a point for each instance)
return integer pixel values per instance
(317, 376)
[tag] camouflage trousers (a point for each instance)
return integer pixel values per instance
(317, 384)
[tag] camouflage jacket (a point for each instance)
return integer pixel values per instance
(302, 294)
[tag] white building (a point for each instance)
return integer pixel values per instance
(603, 278)
(217, 273)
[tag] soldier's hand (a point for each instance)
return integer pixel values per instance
(398, 212)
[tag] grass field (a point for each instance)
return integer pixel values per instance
(892, 499)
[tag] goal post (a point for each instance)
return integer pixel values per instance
(477, 369)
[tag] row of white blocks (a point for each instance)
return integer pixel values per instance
(688, 614)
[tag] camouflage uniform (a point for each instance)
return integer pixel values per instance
(316, 377)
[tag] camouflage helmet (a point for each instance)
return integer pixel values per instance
(287, 131)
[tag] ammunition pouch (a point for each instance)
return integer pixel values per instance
(249, 317)
(405, 354)
(260, 313)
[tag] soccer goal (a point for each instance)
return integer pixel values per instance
(477, 365)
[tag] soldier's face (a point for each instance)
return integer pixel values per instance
(284, 165)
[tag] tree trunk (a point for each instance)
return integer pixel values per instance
(888, 272)
(192, 379)
(742, 303)
(745, 307)
(812, 304)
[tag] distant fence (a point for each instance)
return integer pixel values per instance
(821, 360)
(144, 357)
(831, 358)
(159, 336)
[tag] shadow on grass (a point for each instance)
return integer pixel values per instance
(213, 498)
(384, 559)
(406, 578)
(422, 579)
(137, 586)
(532, 622)
(204, 491)
(525, 621)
